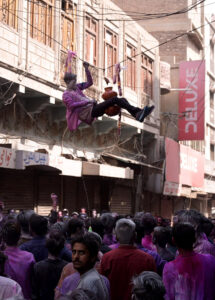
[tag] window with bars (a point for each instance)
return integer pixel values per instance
(8, 13)
(110, 51)
(130, 75)
(147, 75)
(41, 29)
(91, 40)
(212, 152)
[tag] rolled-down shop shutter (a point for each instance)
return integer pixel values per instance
(16, 189)
(47, 183)
(121, 200)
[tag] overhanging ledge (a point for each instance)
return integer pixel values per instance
(94, 169)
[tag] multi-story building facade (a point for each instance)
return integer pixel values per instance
(94, 166)
(185, 31)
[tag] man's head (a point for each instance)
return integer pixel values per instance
(70, 80)
(11, 233)
(108, 222)
(97, 226)
(125, 231)
(184, 236)
(55, 243)
(190, 216)
(161, 236)
(149, 223)
(23, 219)
(148, 286)
(84, 252)
(75, 226)
(38, 225)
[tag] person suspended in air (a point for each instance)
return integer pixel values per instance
(82, 109)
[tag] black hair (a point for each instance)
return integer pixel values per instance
(23, 219)
(68, 77)
(73, 225)
(38, 225)
(3, 259)
(55, 243)
(194, 217)
(207, 226)
(149, 223)
(53, 216)
(11, 233)
(90, 242)
(108, 222)
(184, 235)
(139, 230)
(161, 236)
(97, 226)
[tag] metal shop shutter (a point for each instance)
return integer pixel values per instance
(16, 189)
(121, 200)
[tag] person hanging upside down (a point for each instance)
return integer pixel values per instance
(82, 109)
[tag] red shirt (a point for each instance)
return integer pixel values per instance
(120, 265)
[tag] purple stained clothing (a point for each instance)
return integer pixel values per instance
(203, 246)
(190, 277)
(114, 246)
(148, 244)
(78, 106)
(71, 282)
(19, 267)
(160, 263)
(109, 239)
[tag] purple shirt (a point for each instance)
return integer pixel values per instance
(203, 246)
(190, 277)
(71, 282)
(76, 101)
(109, 239)
(19, 267)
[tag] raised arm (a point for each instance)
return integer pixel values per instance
(89, 82)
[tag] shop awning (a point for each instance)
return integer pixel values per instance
(106, 170)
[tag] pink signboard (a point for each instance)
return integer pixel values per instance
(183, 164)
(192, 100)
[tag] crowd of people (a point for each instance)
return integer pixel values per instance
(108, 257)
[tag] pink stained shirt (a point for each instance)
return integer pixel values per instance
(78, 106)
(19, 267)
(190, 277)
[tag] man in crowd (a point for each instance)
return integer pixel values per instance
(160, 238)
(85, 250)
(37, 246)
(202, 244)
(47, 272)
(19, 265)
(191, 275)
(8, 287)
(121, 264)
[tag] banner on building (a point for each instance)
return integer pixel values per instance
(191, 100)
(184, 165)
(7, 158)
